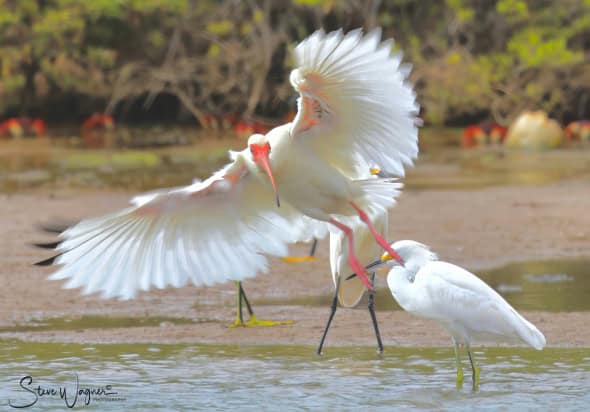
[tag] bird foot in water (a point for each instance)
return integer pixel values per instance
(253, 321)
(460, 378)
(298, 259)
(476, 372)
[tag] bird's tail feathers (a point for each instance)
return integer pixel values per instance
(529, 333)
(379, 194)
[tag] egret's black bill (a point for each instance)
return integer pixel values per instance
(370, 266)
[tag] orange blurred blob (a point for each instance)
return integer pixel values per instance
(498, 134)
(17, 127)
(97, 130)
(99, 121)
(473, 136)
(485, 133)
(578, 130)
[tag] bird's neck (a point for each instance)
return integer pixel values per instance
(400, 281)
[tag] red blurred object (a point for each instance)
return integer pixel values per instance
(483, 134)
(99, 121)
(578, 130)
(498, 134)
(22, 127)
(97, 130)
(39, 126)
(244, 128)
(473, 135)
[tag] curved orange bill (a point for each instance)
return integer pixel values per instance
(260, 153)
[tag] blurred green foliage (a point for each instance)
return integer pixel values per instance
(471, 58)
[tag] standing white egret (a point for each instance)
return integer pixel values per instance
(456, 299)
(355, 110)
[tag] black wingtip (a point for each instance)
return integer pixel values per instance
(56, 228)
(50, 245)
(46, 262)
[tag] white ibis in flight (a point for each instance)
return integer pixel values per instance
(355, 110)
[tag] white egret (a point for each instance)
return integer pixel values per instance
(457, 300)
(355, 109)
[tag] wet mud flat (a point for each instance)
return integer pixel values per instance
(479, 228)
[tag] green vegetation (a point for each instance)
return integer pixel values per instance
(64, 59)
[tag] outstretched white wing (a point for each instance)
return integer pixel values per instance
(209, 232)
(356, 108)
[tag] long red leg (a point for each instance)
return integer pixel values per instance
(382, 242)
(352, 259)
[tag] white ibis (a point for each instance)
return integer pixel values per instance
(355, 109)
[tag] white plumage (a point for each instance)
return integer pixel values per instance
(209, 232)
(355, 110)
(354, 93)
(458, 300)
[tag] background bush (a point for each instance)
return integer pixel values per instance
(179, 59)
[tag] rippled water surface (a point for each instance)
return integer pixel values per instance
(214, 377)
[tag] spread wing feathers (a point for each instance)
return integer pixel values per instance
(356, 106)
(455, 291)
(209, 232)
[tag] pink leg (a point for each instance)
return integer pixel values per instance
(352, 260)
(382, 242)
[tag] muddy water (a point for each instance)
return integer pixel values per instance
(29, 164)
(442, 164)
(218, 377)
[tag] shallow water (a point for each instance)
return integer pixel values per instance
(217, 377)
(552, 285)
(442, 164)
(559, 285)
(93, 322)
